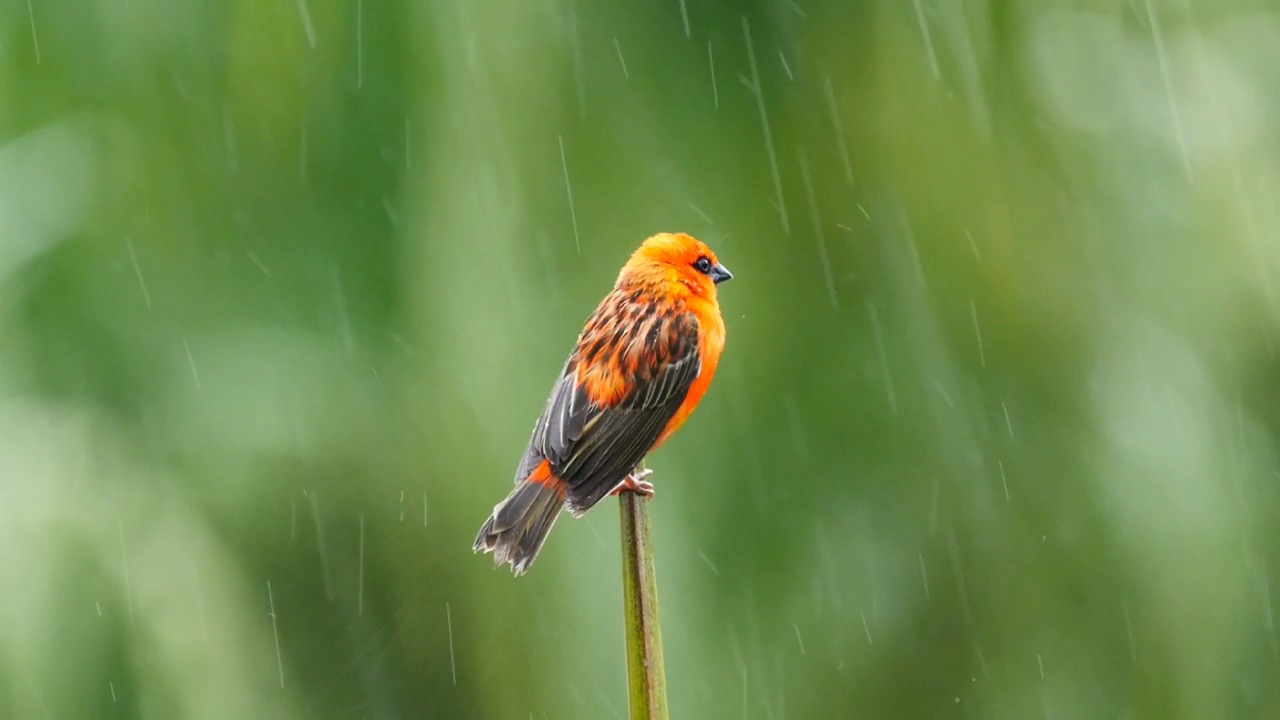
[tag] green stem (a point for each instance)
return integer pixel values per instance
(646, 677)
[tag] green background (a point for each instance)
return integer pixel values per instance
(284, 285)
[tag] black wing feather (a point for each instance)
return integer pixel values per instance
(593, 448)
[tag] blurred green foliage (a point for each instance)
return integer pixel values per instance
(283, 287)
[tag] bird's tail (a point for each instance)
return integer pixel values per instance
(514, 533)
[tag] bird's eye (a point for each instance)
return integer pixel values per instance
(703, 265)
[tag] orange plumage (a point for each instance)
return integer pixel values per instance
(640, 366)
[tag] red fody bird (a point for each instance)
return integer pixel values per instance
(640, 366)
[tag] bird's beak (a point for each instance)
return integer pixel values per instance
(720, 273)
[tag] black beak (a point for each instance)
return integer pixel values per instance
(720, 273)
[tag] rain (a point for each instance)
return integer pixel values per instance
(284, 290)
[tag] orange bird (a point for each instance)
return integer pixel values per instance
(640, 366)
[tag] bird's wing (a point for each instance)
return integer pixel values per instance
(592, 438)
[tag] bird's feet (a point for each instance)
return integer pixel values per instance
(637, 484)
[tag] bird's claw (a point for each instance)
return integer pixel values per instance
(636, 483)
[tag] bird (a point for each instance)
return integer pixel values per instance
(642, 363)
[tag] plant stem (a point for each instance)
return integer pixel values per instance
(646, 676)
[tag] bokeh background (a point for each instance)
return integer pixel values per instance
(283, 287)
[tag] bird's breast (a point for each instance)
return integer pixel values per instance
(711, 338)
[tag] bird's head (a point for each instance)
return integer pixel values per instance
(680, 261)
